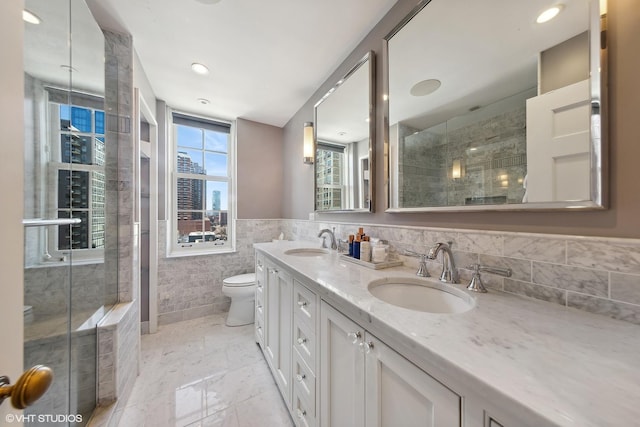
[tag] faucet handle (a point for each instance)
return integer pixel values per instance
(422, 267)
(476, 284)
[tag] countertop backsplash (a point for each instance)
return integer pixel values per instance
(595, 274)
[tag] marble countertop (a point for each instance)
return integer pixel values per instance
(569, 367)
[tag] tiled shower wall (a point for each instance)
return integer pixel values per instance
(594, 274)
(492, 156)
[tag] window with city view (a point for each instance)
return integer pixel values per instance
(202, 183)
(330, 176)
(77, 160)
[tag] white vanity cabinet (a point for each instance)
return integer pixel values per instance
(278, 326)
(363, 382)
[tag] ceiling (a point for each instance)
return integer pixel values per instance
(266, 58)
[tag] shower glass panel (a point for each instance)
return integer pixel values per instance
(66, 291)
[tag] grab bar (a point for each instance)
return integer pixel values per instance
(35, 222)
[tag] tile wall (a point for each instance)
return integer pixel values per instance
(190, 287)
(594, 274)
(489, 148)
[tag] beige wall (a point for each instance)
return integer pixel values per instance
(11, 171)
(260, 172)
(622, 219)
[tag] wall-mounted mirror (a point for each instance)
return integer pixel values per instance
(344, 132)
(489, 109)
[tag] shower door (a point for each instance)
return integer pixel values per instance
(66, 292)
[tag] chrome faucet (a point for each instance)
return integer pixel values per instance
(334, 244)
(449, 271)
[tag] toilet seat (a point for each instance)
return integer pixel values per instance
(240, 280)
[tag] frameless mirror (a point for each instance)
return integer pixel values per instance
(490, 110)
(344, 131)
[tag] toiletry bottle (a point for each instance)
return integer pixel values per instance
(351, 236)
(356, 247)
(365, 249)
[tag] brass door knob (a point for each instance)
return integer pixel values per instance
(30, 387)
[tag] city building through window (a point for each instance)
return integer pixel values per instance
(76, 174)
(203, 197)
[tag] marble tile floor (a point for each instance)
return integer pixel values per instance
(202, 373)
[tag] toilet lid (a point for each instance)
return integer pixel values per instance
(240, 280)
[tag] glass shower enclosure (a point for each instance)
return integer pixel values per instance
(66, 290)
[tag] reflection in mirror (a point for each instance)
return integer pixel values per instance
(344, 129)
(497, 111)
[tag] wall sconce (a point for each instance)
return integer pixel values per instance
(456, 170)
(309, 146)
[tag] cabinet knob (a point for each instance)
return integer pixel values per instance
(300, 377)
(302, 303)
(302, 341)
(354, 336)
(366, 347)
(301, 413)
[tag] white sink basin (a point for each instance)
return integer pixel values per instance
(421, 295)
(307, 252)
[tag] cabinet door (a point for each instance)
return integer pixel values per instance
(398, 393)
(341, 370)
(278, 336)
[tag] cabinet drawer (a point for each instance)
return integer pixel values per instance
(304, 381)
(259, 328)
(259, 295)
(304, 341)
(305, 305)
(303, 416)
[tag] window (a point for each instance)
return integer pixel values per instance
(331, 176)
(76, 172)
(203, 188)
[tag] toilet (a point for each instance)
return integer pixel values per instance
(241, 289)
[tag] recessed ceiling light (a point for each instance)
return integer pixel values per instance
(204, 101)
(425, 87)
(549, 14)
(199, 68)
(30, 17)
